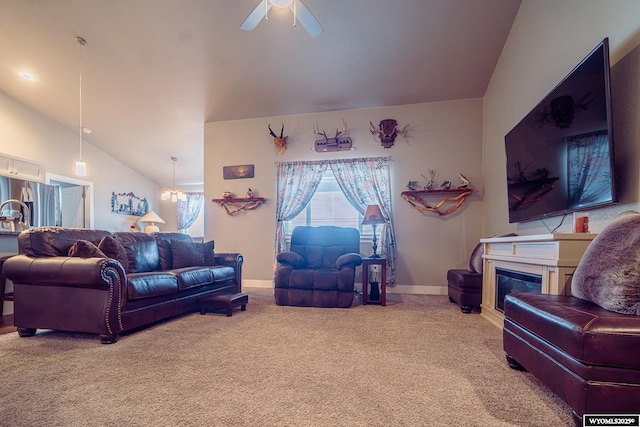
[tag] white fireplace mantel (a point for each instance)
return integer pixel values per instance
(554, 257)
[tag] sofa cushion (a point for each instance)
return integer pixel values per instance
(164, 241)
(85, 249)
(608, 273)
(142, 251)
(209, 253)
(187, 254)
(55, 241)
(150, 284)
(193, 277)
(113, 249)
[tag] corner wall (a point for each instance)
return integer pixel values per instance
(548, 39)
(29, 135)
(445, 136)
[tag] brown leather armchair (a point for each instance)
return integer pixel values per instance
(319, 269)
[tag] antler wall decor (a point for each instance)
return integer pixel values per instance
(279, 141)
(340, 142)
(387, 132)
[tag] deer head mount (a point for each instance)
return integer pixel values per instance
(340, 142)
(387, 132)
(279, 141)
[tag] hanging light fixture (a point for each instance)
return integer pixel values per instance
(81, 166)
(174, 195)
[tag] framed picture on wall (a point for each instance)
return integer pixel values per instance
(238, 171)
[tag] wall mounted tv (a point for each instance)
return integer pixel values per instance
(560, 156)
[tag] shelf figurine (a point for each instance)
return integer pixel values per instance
(464, 182)
(431, 183)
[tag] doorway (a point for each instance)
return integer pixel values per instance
(76, 200)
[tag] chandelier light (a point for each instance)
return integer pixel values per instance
(174, 195)
(81, 166)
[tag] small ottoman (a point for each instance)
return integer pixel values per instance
(225, 301)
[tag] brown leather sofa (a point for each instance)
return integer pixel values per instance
(586, 355)
(133, 280)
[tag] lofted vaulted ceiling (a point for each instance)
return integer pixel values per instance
(154, 71)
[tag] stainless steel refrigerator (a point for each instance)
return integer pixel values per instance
(43, 201)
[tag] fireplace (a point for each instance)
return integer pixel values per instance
(515, 281)
(543, 263)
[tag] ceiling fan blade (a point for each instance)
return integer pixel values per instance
(308, 21)
(256, 16)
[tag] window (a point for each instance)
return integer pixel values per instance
(328, 206)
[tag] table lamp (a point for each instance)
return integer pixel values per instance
(151, 217)
(373, 216)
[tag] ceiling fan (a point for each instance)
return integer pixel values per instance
(300, 12)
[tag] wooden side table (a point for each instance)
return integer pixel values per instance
(366, 264)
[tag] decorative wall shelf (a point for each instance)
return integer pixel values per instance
(423, 200)
(233, 205)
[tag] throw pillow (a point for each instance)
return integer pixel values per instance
(113, 249)
(187, 254)
(475, 261)
(85, 249)
(209, 254)
(608, 273)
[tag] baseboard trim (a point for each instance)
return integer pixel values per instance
(398, 289)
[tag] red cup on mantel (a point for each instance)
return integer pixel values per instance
(580, 223)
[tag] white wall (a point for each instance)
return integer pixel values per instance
(28, 135)
(445, 136)
(548, 39)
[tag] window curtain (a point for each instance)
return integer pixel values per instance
(296, 184)
(187, 211)
(367, 181)
(364, 181)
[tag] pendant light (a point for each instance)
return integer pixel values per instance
(81, 166)
(174, 195)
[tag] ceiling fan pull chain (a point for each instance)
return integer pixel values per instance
(294, 13)
(266, 10)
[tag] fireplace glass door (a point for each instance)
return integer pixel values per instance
(515, 281)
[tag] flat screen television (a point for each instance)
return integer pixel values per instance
(560, 155)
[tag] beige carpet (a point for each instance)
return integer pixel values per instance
(417, 362)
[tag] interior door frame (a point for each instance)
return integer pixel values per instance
(88, 185)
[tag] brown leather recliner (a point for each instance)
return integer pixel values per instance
(319, 269)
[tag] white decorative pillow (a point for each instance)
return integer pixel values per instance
(608, 274)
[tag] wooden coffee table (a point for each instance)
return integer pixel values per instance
(223, 301)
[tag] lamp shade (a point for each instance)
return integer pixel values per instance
(151, 217)
(373, 215)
